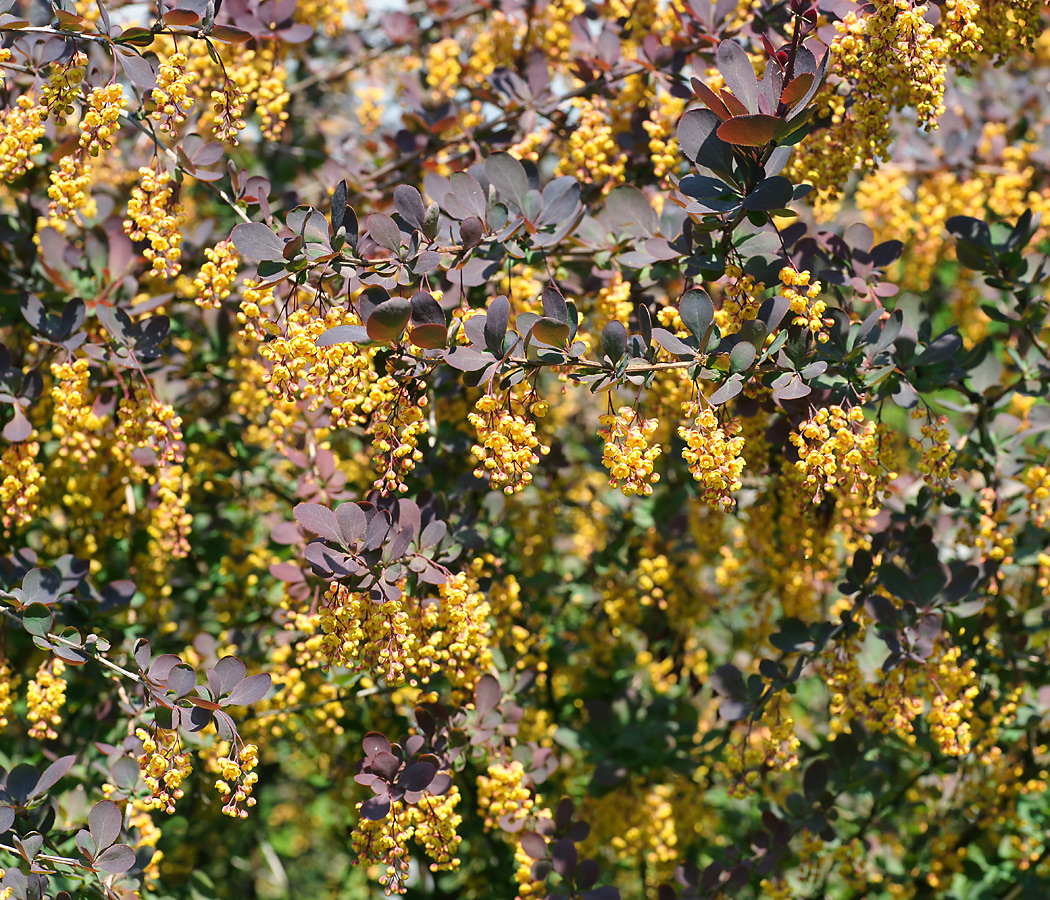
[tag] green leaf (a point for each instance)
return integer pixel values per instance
(37, 619)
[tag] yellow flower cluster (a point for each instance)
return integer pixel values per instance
(171, 95)
(713, 454)
(591, 153)
(46, 695)
(1009, 28)
(613, 301)
(213, 283)
(771, 745)
(69, 188)
(397, 423)
(228, 118)
(21, 127)
(889, 704)
(164, 766)
(739, 300)
(271, 98)
(504, 793)
(369, 109)
(627, 454)
(101, 118)
(63, 87)
(808, 310)
(432, 823)
(961, 30)
(937, 455)
(992, 535)
(507, 445)
(21, 477)
(365, 632)
(443, 69)
(1037, 480)
(494, 44)
(237, 780)
(155, 217)
(956, 687)
(9, 682)
(840, 449)
(555, 32)
(328, 14)
(661, 126)
(453, 635)
(339, 375)
(636, 821)
(894, 60)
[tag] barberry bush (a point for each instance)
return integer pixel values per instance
(539, 448)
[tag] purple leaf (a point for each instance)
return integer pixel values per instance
(388, 320)
(535, 845)
(51, 775)
(118, 858)
(739, 74)
(255, 241)
(384, 231)
(487, 695)
(343, 334)
(230, 671)
(417, 776)
(104, 822)
(181, 679)
(375, 809)
(352, 522)
(19, 428)
(320, 520)
(749, 131)
(250, 690)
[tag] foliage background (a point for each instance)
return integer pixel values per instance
(579, 465)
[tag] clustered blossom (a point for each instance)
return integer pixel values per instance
(627, 454)
(21, 477)
(661, 127)
(507, 446)
(164, 765)
(592, 154)
(713, 454)
(339, 375)
(46, 695)
(1037, 480)
(808, 310)
(740, 303)
(773, 744)
(504, 795)
(952, 706)
(366, 631)
(69, 191)
(156, 218)
(228, 119)
(432, 823)
(840, 449)
(215, 279)
(8, 685)
(101, 118)
(21, 127)
(452, 635)
(937, 455)
(237, 780)
(171, 95)
(397, 423)
(63, 87)
(443, 68)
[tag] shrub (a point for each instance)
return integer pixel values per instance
(528, 449)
